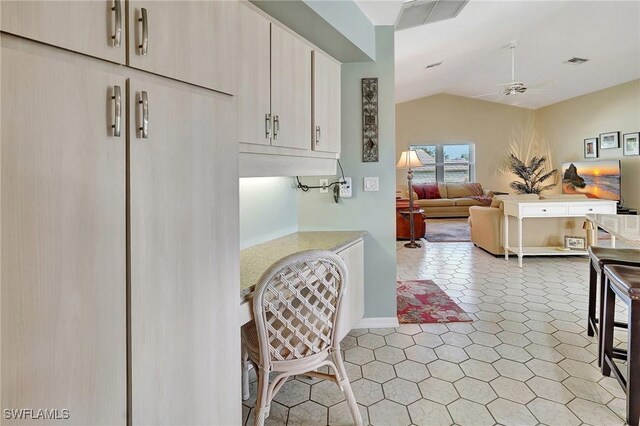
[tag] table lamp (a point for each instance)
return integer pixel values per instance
(409, 160)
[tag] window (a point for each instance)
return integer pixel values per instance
(445, 163)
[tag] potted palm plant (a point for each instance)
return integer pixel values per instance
(533, 175)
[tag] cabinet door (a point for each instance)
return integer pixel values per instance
(185, 339)
(63, 273)
(192, 41)
(326, 103)
(87, 27)
(290, 89)
(353, 303)
(254, 98)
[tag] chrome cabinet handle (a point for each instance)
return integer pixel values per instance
(544, 210)
(318, 135)
(117, 111)
(144, 101)
(144, 46)
(276, 126)
(267, 126)
(590, 210)
(117, 34)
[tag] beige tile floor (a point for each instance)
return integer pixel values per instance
(525, 360)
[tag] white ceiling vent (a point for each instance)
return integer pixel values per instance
(575, 61)
(420, 12)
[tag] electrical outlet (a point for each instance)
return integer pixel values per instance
(371, 183)
(346, 188)
(324, 183)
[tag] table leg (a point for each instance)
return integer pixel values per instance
(520, 254)
(505, 236)
(613, 241)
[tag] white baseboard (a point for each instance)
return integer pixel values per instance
(380, 322)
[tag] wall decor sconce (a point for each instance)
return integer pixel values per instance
(369, 120)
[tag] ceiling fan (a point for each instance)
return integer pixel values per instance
(514, 87)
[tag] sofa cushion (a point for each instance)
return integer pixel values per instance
(427, 191)
(442, 188)
(436, 202)
(468, 202)
(461, 190)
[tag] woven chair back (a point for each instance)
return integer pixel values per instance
(296, 305)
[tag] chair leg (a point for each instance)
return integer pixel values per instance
(593, 284)
(606, 327)
(346, 387)
(245, 374)
(603, 289)
(633, 375)
(262, 406)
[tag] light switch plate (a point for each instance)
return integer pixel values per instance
(346, 188)
(372, 183)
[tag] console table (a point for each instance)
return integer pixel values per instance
(548, 208)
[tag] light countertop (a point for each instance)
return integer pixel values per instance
(257, 259)
(625, 227)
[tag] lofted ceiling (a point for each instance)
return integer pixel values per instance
(474, 58)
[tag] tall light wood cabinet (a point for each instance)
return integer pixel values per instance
(192, 41)
(63, 249)
(184, 256)
(326, 103)
(95, 28)
(274, 98)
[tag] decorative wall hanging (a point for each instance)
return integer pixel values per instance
(369, 120)
(631, 143)
(591, 148)
(610, 140)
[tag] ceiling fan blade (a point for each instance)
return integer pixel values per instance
(487, 94)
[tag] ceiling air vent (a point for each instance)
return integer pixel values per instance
(421, 12)
(437, 64)
(575, 61)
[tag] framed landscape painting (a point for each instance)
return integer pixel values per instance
(610, 140)
(631, 143)
(591, 148)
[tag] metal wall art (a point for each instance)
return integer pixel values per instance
(369, 120)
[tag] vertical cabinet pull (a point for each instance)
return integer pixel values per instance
(144, 128)
(267, 126)
(117, 111)
(144, 46)
(117, 33)
(276, 126)
(318, 135)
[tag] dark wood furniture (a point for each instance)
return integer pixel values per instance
(599, 257)
(623, 282)
(403, 232)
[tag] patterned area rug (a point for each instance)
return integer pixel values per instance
(447, 230)
(422, 301)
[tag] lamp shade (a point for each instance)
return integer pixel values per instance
(408, 160)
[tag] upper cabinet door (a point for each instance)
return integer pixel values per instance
(254, 98)
(94, 28)
(185, 340)
(290, 90)
(192, 41)
(326, 101)
(63, 256)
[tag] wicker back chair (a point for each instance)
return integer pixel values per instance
(296, 309)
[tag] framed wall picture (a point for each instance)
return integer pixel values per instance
(574, 243)
(591, 148)
(631, 143)
(610, 140)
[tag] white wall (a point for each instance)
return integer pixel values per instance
(370, 211)
(268, 209)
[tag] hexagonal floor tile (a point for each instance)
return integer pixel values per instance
(475, 390)
(479, 370)
(389, 354)
(438, 390)
(550, 389)
(445, 370)
(340, 414)
(547, 369)
(456, 339)
(513, 369)
(466, 412)
(308, 413)
(293, 393)
(512, 390)
(549, 412)
(371, 341)
(399, 340)
(482, 353)
(587, 390)
(592, 413)
(409, 329)
(451, 353)
(412, 371)
(326, 393)
(511, 413)
(402, 391)
(514, 353)
(378, 371)
(428, 340)
(367, 392)
(425, 412)
(358, 355)
(389, 413)
(420, 354)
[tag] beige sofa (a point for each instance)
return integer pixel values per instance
(454, 201)
(486, 225)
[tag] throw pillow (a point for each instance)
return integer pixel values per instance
(495, 202)
(427, 191)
